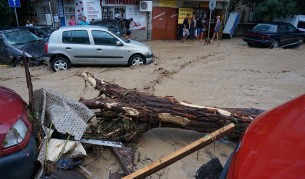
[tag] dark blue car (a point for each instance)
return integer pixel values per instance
(274, 35)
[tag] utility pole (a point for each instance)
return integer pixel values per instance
(14, 4)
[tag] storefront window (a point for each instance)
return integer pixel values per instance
(43, 10)
(69, 11)
(112, 12)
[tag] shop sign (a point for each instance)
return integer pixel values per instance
(89, 8)
(121, 2)
(212, 4)
(79, 10)
(92, 9)
(167, 3)
(204, 5)
(182, 14)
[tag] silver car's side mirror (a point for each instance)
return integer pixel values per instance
(119, 43)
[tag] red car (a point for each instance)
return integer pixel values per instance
(273, 145)
(18, 148)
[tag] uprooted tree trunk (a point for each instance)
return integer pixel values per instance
(124, 114)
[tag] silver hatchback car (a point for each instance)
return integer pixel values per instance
(90, 45)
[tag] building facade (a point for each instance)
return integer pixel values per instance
(162, 23)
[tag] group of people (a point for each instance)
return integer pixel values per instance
(72, 21)
(198, 27)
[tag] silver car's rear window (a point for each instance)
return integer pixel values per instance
(75, 37)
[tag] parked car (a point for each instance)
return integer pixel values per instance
(273, 145)
(93, 45)
(40, 31)
(13, 42)
(111, 24)
(18, 148)
(297, 21)
(275, 34)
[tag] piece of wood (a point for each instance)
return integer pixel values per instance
(181, 153)
(28, 80)
(125, 156)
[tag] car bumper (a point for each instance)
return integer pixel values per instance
(47, 57)
(20, 164)
(149, 58)
(37, 60)
(258, 42)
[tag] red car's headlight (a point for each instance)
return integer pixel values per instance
(15, 135)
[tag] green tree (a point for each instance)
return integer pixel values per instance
(6, 14)
(300, 7)
(271, 9)
(234, 4)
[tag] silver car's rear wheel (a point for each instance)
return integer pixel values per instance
(59, 64)
(136, 60)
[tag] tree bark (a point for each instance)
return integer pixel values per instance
(124, 114)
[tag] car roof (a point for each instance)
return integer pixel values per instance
(105, 20)
(82, 27)
(36, 26)
(274, 23)
(12, 29)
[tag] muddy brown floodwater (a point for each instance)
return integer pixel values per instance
(229, 74)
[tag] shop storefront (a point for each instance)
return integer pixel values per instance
(168, 16)
(127, 9)
(106, 9)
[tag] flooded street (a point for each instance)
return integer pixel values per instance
(229, 74)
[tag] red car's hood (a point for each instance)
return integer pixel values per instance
(11, 108)
(273, 145)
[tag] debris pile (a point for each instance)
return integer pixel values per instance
(124, 114)
(120, 115)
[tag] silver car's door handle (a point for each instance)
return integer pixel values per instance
(98, 49)
(68, 47)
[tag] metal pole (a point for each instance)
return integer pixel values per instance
(52, 20)
(37, 12)
(16, 16)
(209, 25)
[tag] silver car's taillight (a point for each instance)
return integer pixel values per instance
(16, 134)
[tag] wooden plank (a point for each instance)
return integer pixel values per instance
(181, 153)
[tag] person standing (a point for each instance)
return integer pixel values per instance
(186, 27)
(72, 21)
(192, 27)
(92, 21)
(127, 23)
(201, 27)
(216, 29)
(83, 21)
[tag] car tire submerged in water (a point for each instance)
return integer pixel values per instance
(250, 44)
(60, 63)
(275, 44)
(300, 41)
(18, 62)
(136, 60)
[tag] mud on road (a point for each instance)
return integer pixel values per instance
(229, 74)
